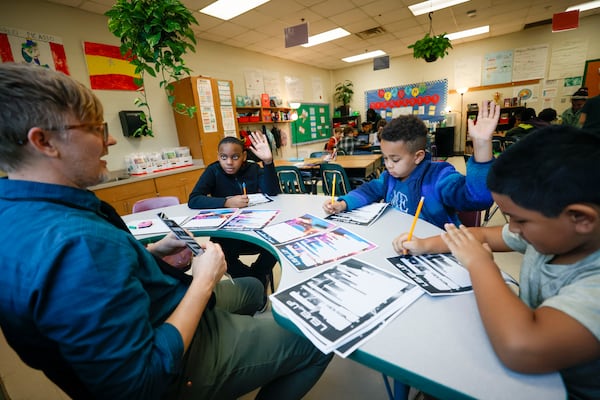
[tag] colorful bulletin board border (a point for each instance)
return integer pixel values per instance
(427, 100)
(108, 68)
(21, 46)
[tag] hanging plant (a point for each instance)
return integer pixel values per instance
(155, 34)
(432, 46)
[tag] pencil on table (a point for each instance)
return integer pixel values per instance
(414, 222)
(333, 190)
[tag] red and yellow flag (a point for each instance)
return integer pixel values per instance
(108, 68)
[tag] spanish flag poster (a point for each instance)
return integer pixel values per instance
(108, 68)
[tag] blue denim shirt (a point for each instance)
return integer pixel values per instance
(76, 288)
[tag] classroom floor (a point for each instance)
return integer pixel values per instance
(343, 378)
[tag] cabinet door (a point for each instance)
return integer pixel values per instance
(179, 185)
(122, 197)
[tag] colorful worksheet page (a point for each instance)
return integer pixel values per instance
(295, 228)
(312, 251)
(246, 220)
(213, 218)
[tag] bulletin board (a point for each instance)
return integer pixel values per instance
(427, 100)
(591, 77)
(313, 123)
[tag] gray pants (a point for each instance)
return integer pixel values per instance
(233, 354)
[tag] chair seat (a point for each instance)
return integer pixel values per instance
(154, 202)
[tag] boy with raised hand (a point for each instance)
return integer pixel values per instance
(227, 183)
(547, 184)
(410, 173)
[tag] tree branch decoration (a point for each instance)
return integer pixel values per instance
(155, 34)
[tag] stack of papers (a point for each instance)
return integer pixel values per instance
(342, 307)
(308, 241)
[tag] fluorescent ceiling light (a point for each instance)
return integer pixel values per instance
(585, 6)
(326, 37)
(227, 9)
(468, 32)
(364, 56)
(433, 5)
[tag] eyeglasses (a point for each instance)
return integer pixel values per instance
(100, 129)
(224, 157)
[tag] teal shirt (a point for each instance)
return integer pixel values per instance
(77, 288)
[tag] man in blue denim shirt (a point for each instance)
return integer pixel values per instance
(86, 303)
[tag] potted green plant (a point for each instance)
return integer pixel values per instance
(155, 34)
(431, 47)
(343, 94)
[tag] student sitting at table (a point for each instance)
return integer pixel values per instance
(334, 139)
(346, 143)
(553, 202)
(410, 173)
(225, 184)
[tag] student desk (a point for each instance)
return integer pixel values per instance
(362, 165)
(437, 344)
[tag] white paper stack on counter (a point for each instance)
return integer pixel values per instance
(342, 307)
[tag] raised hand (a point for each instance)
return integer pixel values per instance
(260, 147)
(487, 120)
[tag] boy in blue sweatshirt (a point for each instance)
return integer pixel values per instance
(410, 173)
(225, 184)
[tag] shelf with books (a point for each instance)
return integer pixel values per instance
(261, 115)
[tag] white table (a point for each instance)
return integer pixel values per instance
(438, 344)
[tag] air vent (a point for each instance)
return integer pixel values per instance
(371, 33)
(538, 23)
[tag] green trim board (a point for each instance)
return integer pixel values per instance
(313, 123)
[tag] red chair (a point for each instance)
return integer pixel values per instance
(154, 202)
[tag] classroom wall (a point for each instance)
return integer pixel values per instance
(212, 59)
(406, 69)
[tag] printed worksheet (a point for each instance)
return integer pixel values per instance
(322, 248)
(211, 218)
(438, 274)
(343, 306)
(295, 228)
(246, 220)
(365, 215)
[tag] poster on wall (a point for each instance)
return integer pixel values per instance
(108, 68)
(427, 100)
(22, 46)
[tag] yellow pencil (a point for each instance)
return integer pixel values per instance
(414, 222)
(333, 190)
